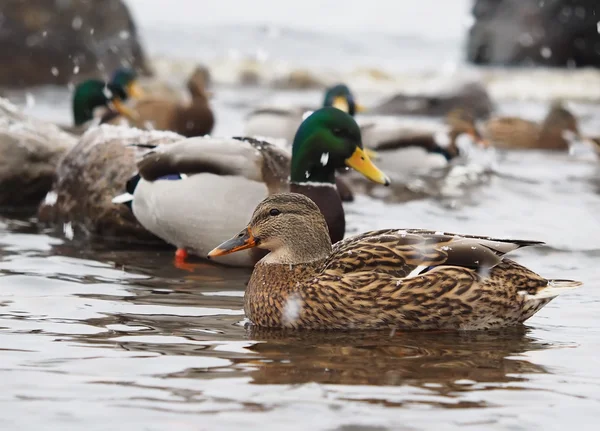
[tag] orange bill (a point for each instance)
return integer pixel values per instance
(241, 241)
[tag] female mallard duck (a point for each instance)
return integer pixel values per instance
(405, 279)
(91, 174)
(30, 150)
(225, 178)
(554, 133)
(189, 119)
(93, 94)
(282, 123)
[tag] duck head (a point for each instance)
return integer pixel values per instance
(340, 97)
(126, 79)
(289, 225)
(93, 93)
(327, 140)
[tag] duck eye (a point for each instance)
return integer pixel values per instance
(337, 132)
(274, 212)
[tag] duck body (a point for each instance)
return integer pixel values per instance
(554, 133)
(30, 151)
(88, 177)
(222, 181)
(395, 288)
(194, 118)
(388, 279)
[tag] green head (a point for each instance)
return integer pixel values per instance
(92, 94)
(340, 97)
(127, 79)
(327, 140)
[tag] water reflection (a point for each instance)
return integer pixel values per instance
(444, 361)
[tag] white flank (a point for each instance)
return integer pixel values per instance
(121, 199)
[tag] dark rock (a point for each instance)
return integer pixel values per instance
(59, 41)
(535, 32)
(471, 96)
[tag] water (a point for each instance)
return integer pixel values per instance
(95, 338)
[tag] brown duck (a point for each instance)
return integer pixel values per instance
(188, 119)
(91, 174)
(554, 133)
(406, 279)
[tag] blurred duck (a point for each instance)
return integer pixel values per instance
(187, 119)
(88, 177)
(406, 148)
(93, 95)
(30, 150)
(194, 193)
(388, 279)
(282, 123)
(556, 132)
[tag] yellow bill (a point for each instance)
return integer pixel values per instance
(360, 162)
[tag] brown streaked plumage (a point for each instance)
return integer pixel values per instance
(517, 133)
(406, 279)
(188, 119)
(30, 151)
(91, 174)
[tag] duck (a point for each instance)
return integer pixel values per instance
(187, 119)
(405, 149)
(556, 132)
(30, 150)
(408, 279)
(282, 123)
(192, 193)
(89, 175)
(94, 94)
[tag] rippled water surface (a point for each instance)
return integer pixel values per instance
(96, 338)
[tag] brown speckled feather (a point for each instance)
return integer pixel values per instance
(406, 279)
(92, 173)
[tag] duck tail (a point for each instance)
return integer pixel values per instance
(555, 288)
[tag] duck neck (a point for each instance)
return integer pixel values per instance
(327, 198)
(88, 96)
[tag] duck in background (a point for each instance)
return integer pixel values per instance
(556, 132)
(194, 192)
(282, 123)
(388, 279)
(187, 119)
(30, 150)
(93, 94)
(409, 148)
(88, 177)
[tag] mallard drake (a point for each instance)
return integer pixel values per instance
(89, 176)
(223, 179)
(30, 150)
(413, 147)
(188, 119)
(554, 133)
(93, 94)
(282, 123)
(405, 279)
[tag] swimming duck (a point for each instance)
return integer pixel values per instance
(282, 123)
(554, 133)
(408, 148)
(223, 179)
(93, 94)
(89, 176)
(30, 150)
(189, 119)
(404, 279)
